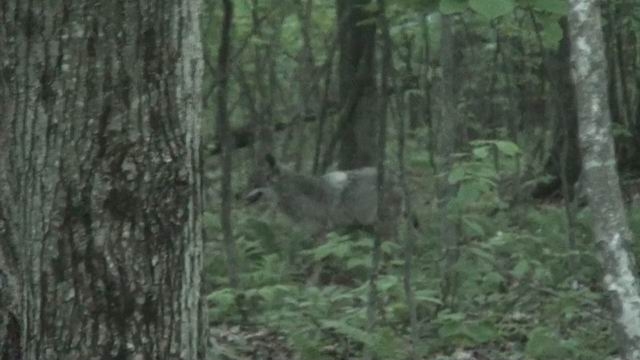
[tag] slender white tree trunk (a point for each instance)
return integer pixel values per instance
(601, 178)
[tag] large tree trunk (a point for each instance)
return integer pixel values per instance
(100, 192)
(564, 161)
(357, 84)
(601, 178)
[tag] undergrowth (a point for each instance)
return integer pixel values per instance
(520, 291)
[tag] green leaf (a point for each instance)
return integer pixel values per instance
(559, 7)
(456, 175)
(358, 262)
(448, 7)
(390, 247)
(351, 332)
(257, 40)
(331, 248)
(485, 174)
(449, 316)
(387, 282)
(371, 7)
(507, 148)
(420, 159)
(469, 193)
(482, 254)
(368, 21)
(451, 330)
(552, 32)
(494, 278)
(271, 293)
(222, 297)
(542, 275)
(429, 296)
(521, 269)
(492, 9)
(473, 227)
(481, 332)
(544, 343)
(481, 152)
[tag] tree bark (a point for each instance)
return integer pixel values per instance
(446, 146)
(563, 166)
(263, 98)
(376, 252)
(601, 178)
(224, 135)
(357, 84)
(100, 189)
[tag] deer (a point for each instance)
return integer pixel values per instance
(333, 201)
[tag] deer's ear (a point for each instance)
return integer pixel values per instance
(254, 196)
(272, 162)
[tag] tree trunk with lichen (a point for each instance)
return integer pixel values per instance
(610, 226)
(100, 191)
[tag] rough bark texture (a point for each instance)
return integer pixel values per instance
(601, 179)
(100, 191)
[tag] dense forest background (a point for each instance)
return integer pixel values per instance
(478, 113)
(319, 179)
